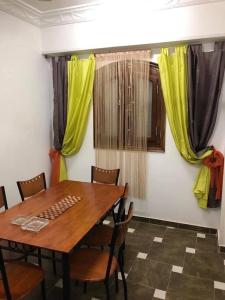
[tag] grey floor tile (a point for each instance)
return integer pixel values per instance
(130, 255)
(138, 242)
(205, 265)
(151, 273)
(207, 245)
(180, 237)
(219, 295)
(166, 253)
(183, 287)
(150, 230)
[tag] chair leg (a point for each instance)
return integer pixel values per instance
(54, 263)
(43, 290)
(122, 254)
(114, 216)
(123, 278)
(39, 257)
(106, 282)
(116, 281)
(85, 287)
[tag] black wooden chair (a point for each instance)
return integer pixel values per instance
(18, 279)
(104, 176)
(93, 265)
(31, 187)
(3, 200)
(101, 234)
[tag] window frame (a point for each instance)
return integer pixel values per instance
(156, 143)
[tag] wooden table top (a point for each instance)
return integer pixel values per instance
(63, 233)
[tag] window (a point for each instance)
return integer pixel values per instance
(125, 134)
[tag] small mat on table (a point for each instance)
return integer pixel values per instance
(59, 208)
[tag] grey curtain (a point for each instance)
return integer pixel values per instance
(60, 82)
(205, 78)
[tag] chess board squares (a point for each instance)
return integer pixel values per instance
(60, 207)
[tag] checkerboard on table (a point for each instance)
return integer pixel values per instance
(60, 207)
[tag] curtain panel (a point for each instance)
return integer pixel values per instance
(191, 83)
(173, 74)
(80, 78)
(121, 95)
(205, 78)
(60, 88)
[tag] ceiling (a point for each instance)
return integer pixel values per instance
(46, 13)
(44, 5)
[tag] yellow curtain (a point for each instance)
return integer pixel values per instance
(173, 74)
(80, 87)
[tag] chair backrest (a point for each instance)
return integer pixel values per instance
(104, 176)
(4, 278)
(28, 188)
(3, 200)
(119, 232)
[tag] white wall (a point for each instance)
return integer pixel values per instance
(221, 230)
(25, 106)
(170, 178)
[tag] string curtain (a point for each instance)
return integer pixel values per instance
(121, 96)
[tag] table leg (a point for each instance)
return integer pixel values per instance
(66, 276)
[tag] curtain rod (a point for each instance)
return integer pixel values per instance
(133, 47)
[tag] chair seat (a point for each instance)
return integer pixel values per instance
(89, 264)
(100, 235)
(22, 279)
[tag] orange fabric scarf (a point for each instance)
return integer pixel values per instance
(55, 172)
(216, 162)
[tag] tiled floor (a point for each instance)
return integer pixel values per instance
(161, 263)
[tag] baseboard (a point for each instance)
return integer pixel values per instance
(176, 225)
(222, 249)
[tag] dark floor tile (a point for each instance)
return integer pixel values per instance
(150, 230)
(205, 265)
(183, 287)
(166, 253)
(207, 245)
(139, 242)
(130, 255)
(133, 224)
(136, 292)
(151, 273)
(180, 237)
(219, 295)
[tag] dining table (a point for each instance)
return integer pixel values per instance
(65, 232)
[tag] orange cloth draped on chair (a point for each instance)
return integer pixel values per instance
(216, 164)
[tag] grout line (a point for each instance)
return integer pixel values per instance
(169, 280)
